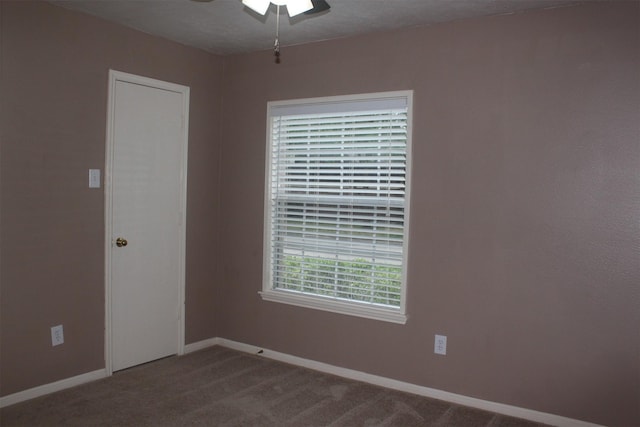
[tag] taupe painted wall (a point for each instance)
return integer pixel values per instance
(525, 242)
(53, 104)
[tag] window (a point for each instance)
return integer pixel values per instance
(337, 203)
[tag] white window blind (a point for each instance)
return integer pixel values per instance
(336, 200)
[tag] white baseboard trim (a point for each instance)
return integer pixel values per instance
(500, 408)
(32, 393)
(190, 348)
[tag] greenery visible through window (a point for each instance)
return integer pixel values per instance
(337, 199)
(339, 279)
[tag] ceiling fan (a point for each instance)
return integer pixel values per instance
(261, 6)
(294, 8)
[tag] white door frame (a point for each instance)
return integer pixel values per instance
(114, 77)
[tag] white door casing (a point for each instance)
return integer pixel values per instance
(145, 192)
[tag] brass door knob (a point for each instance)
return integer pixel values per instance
(120, 242)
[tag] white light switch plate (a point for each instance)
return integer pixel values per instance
(94, 178)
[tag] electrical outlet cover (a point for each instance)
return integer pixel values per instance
(440, 345)
(57, 335)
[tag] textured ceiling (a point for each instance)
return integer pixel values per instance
(227, 27)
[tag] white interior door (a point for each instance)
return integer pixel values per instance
(147, 186)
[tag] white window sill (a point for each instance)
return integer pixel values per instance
(335, 306)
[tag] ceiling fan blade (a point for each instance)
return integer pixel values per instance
(318, 6)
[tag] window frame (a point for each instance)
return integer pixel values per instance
(346, 307)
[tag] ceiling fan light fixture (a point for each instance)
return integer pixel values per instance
(294, 7)
(259, 6)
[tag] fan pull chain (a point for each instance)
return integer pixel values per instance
(276, 46)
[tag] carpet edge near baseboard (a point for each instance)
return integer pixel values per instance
(500, 408)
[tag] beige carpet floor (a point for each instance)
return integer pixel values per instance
(222, 387)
